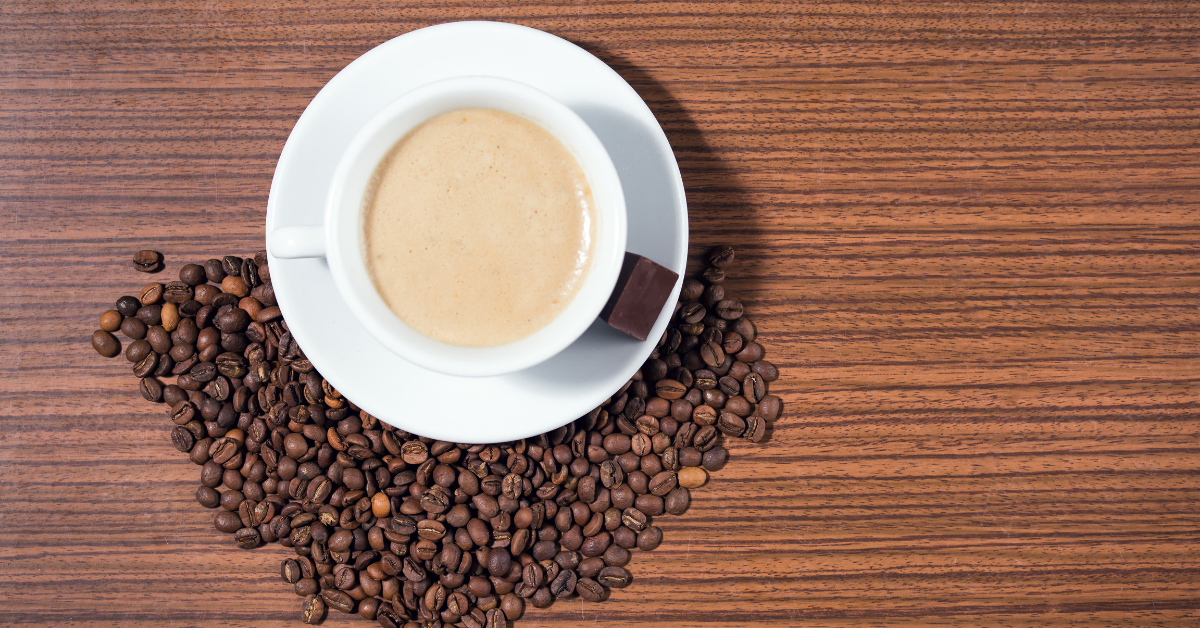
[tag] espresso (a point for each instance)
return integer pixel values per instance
(478, 228)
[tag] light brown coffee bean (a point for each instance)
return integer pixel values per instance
(692, 477)
(151, 293)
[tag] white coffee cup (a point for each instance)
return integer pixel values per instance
(340, 239)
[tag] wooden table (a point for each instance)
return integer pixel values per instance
(969, 233)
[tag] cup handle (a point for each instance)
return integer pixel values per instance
(297, 242)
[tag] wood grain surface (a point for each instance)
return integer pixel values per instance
(968, 232)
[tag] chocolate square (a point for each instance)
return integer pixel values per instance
(642, 290)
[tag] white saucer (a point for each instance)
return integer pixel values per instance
(461, 409)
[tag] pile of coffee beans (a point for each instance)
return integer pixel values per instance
(410, 531)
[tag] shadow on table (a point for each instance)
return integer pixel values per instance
(718, 207)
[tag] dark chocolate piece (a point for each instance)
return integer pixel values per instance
(642, 290)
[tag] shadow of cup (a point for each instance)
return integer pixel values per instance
(719, 210)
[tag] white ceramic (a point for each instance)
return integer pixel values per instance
(341, 241)
(472, 409)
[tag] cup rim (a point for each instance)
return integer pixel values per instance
(344, 218)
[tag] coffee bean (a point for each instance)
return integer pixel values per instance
(312, 611)
(182, 438)
(706, 438)
(204, 294)
(669, 389)
(232, 265)
(345, 578)
(235, 286)
(766, 370)
(213, 271)
(634, 519)
(207, 497)
(712, 354)
(512, 606)
(228, 522)
(338, 600)
(369, 609)
(683, 376)
(729, 385)
(127, 305)
(186, 333)
(617, 444)
(692, 312)
(770, 407)
(754, 387)
(649, 539)
(746, 328)
(728, 309)
(596, 545)
(652, 505)
(614, 577)
(715, 458)
(685, 434)
(563, 584)
(495, 619)
(641, 445)
(662, 483)
(290, 571)
(590, 590)
(230, 500)
(211, 474)
(750, 353)
(231, 321)
(756, 429)
(203, 372)
(147, 366)
(654, 369)
(739, 406)
(105, 343)
(268, 314)
(704, 415)
(307, 586)
(713, 275)
(692, 477)
(713, 294)
(147, 261)
(192, 274)
(165, 366)
(730, 424)
(731, 342)
(691, 290)
(133, 328)
(177, 292)
(625, 538)
(151, 293)
(110, 320)
(247, 538)
(499, 560)
(137, 350)
(611, 474)
(341, 541)
(173, 394)
(590, 567)
(616, 555)
(677, 501)
(720, 256)
(249, 273)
